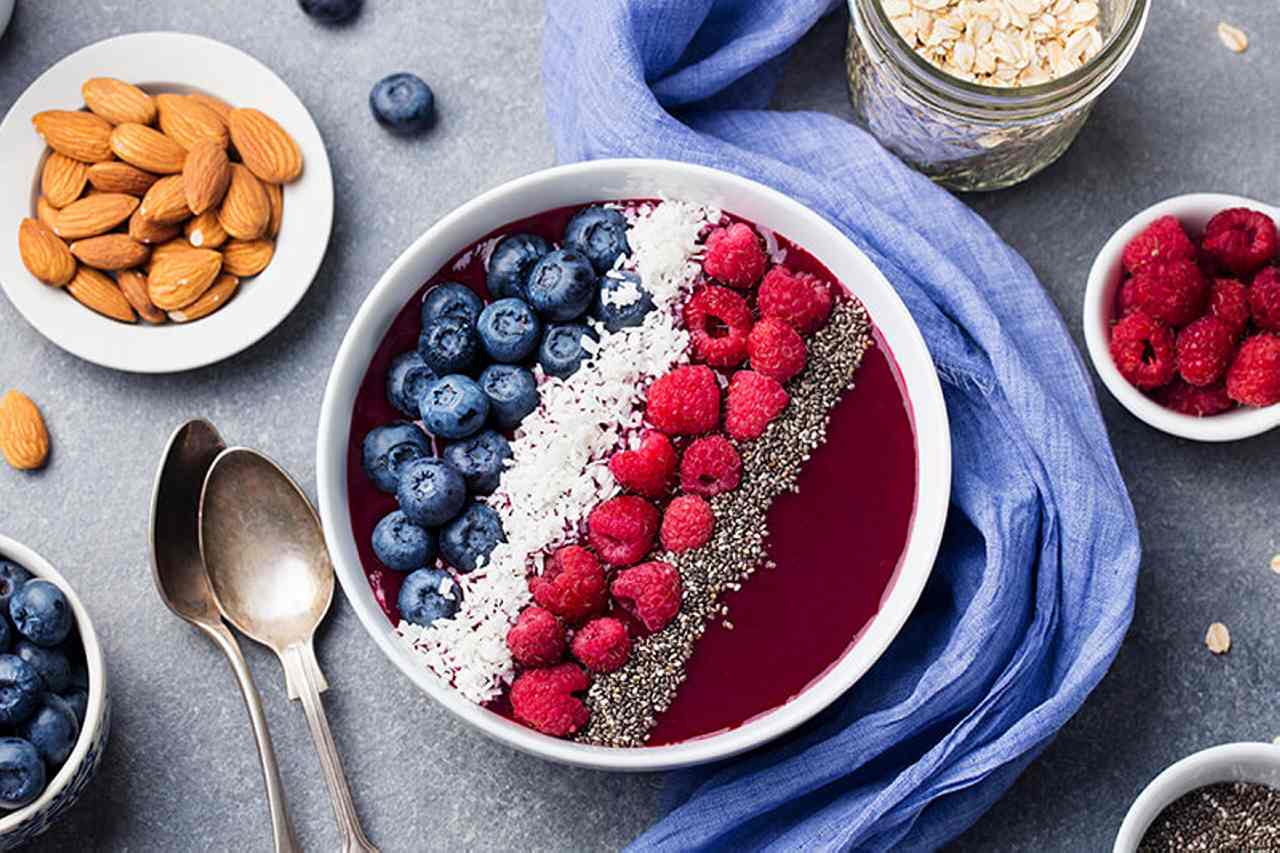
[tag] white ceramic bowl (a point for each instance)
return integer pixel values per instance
(620, 179)
(166, 62)
(1194, 211)
(1232, 762)
(19, 827)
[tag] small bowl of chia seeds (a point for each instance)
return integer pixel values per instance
(1226, 798)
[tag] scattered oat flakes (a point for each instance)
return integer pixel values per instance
(1218, 638)
(1275, 564)
(1233, 37)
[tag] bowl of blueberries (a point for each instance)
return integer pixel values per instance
(54, 712)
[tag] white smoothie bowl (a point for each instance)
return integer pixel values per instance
(580, 184)
(1194, 212)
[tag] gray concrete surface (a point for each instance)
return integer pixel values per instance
(181, 773)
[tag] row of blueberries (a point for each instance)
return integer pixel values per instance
(44, 686)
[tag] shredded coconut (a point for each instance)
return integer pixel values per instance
(777, 254)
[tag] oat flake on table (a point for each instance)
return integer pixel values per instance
(1218, 638)
(1233, 37)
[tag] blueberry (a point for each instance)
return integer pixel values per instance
(561, 351)
(402, 545)
(431, 492)
(509, 330)
(470, 538)
(428, 595)
(331, 11)
(512, 393)
(622, 302)
(480, 460)
(52, 730)
(451, 301)
(78, 700)
(449, 346)
(403, 104)
(407, 379)
(454, 407)
(510, 263)
(20, 688)
(22, 773)
(12, 576)
(387, 449)
(41, 613)
(600, 233)
(79, 676)
(6, 636)
(51, 664)
(562, 285)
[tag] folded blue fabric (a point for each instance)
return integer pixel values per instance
(1034, 587)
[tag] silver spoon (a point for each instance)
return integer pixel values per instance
(184, 586)
(273, 580)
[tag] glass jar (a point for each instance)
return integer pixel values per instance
(965, 135)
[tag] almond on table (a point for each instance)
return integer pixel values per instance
(24, 438)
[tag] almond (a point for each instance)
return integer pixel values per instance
(219, 106)
(117, 101)
(247, 257)
(176, 280)
(46, 213)
(44, 255)
(93, 215)
(188, 122)
(172, 247)
(245, 211)
(205, 231)
(110, 252)
(96, 290)
(116, 177)
(166, 202)
(205, 176)
(266, 149)
(218, 294)
(275, 195)
(147, 148)
(145, 231)
(62, 179)
(24, 439)
(79, 135)
(133, 285)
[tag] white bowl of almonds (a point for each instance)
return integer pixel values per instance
(170, 201)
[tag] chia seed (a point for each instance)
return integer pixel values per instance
(1228, 816)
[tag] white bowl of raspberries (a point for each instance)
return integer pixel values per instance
(1182, 316)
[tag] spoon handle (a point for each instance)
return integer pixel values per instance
(302, 670)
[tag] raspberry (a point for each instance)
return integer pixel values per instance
(776, 349)
(1198, 402)
(648, 469)
(602, 645)
(1240, 239)
(753, 402)
(1164, 240)
(685, 402)
(687, 523)
(650, 592)
(543, 699)
(801, 299)
(572, 584)
(1143, 350)
(1229, 302)
(1264, 299)
(718, 320)
(1254, 375)
(1127, 298)
(622, 529)
(537, 638)
(711, 465)
(1204, 350)
(1170, 291)
(734, 256)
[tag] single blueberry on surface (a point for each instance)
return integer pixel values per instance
(470, 538)
(22, 773)
(511, 262)
(561, 351)
(600, 233)
(403, 103)
(512, 393)
(407, 379)
(331, 11)
(509, 330)
(402, 545)
(451, 301)
(454, 407)
(78, 701)
(562, 285)
(480, 460)
(428, 595)
(622, 301)
(431, 493)
(52, 730)
(387, 449)
(51, 664)
(12, 576)
(41, 613)
(20, 689)
(449, 345)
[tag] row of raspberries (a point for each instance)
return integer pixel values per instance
(1198, 324)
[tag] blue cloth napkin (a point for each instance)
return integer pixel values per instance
(1034, 587)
